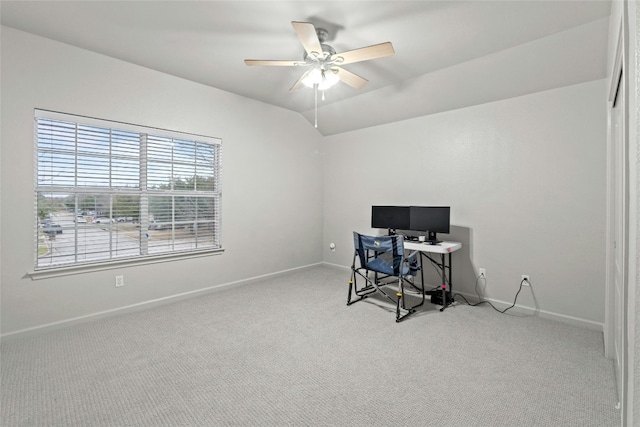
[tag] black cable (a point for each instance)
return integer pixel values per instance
(476, 287)
(488, 302)
(439, 269)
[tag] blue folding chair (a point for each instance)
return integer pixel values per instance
(384, 257)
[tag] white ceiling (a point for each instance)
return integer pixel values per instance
(448, 54)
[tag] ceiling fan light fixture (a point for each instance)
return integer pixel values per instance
(324, 79)
(325, 65)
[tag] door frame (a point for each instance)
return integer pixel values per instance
(618, 79)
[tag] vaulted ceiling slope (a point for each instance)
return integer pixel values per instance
(448, 54)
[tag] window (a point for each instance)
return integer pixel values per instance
(108, 191)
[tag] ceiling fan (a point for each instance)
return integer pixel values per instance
(325, 64)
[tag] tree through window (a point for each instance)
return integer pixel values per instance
(121, 191)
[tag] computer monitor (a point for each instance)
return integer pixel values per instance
(390, 217)
(432, 219)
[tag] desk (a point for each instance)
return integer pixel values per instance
(429, 251)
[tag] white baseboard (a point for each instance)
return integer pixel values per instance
(520, 309)
(146, 304)
(543, 314)
(501, 305)
(336, 266)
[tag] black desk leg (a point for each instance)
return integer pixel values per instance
(450, 278)
(446, 292)
(444, 284)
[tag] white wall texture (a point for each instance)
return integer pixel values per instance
(526, 182)
(525, 178)
(271, 179)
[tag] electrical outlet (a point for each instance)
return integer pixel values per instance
(119, 281)
(525, 280)
(483, 272)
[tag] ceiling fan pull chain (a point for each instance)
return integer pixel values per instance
(315, 89)
(324, 62)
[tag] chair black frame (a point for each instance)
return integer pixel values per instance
(369, 251)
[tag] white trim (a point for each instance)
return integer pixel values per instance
(536, 312)
(337, 266)
(50, 272)
(146, 304)
(633, 261)
(576, 321)
(620, 64)
(518, 308)
(609, 321)
(67, 127)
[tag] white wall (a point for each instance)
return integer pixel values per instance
(271, 178)
(634, 202)
(525, 179)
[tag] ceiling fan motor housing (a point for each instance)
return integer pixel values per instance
(323, 61)
(323, 35)
(327, 52)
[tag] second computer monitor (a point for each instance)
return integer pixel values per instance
(431, 219)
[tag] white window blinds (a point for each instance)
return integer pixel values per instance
(107, 191)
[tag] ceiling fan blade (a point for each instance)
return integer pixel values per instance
(353, 80)
(365, 53)
(297, 85)
(273, 63)
(308, 36)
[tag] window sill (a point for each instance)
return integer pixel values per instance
(50, 272)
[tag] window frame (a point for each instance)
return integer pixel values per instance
(210, 196)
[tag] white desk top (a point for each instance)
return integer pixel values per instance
(440, 248)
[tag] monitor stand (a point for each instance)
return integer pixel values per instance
(432, 239)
